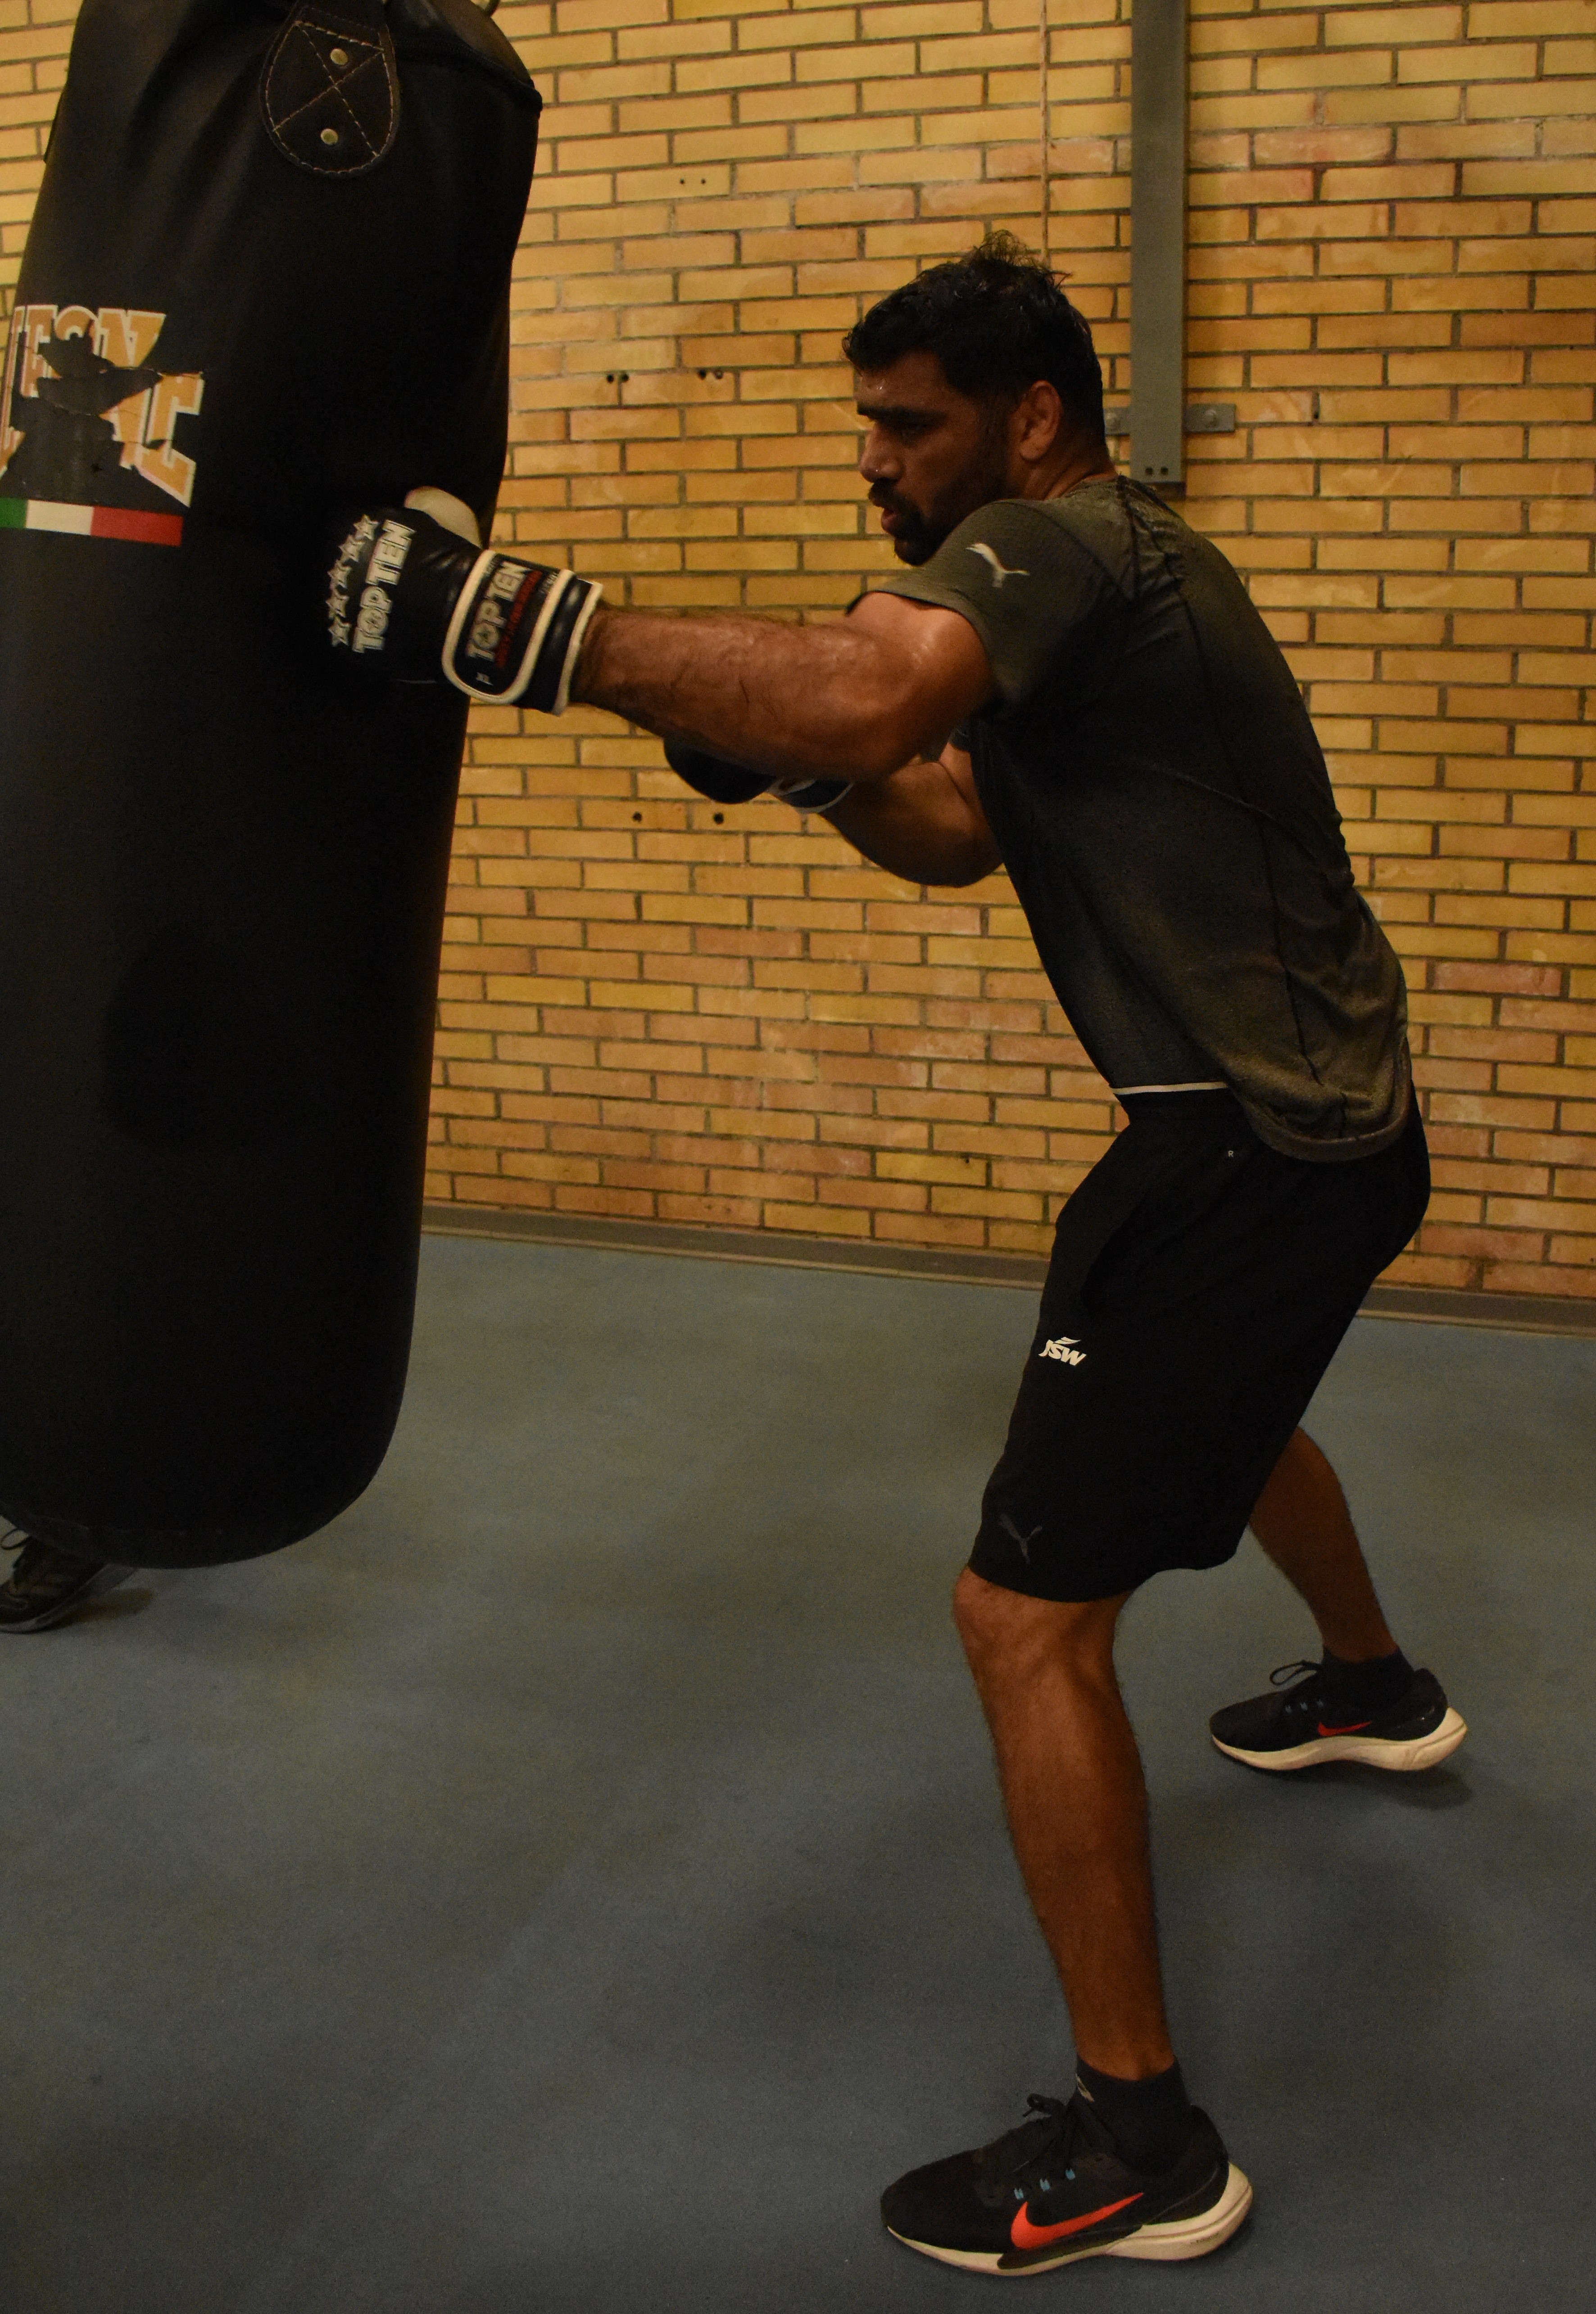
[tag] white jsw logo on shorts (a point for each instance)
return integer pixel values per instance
(1064, 1349)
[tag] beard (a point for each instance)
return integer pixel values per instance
(918, 536)
(921, 530)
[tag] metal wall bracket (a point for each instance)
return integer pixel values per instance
(1158, 240)
(1201, 418)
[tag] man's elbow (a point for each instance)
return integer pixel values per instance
(892, 728)
(972, 864)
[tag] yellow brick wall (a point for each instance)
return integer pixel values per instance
(655, 1009)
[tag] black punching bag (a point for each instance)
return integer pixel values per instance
(268, 274)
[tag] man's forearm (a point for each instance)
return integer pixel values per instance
(918, 825)
(836, 701)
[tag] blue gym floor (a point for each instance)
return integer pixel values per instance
(574, 1883)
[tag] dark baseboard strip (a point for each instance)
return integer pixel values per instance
(1509, 1313)
(782, 1249)
(1518, 1313)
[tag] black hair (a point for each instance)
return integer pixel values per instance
(997, 320)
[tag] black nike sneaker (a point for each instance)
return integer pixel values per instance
(1298, 1728)
(1055, 2189)
(47, 1585)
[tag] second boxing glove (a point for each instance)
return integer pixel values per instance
(724, 782)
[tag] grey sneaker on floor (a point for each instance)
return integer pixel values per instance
(47, 1584)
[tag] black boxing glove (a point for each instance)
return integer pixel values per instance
(724, 782)
(410, 600)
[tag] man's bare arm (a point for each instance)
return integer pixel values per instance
(856, 700)
(923, 822)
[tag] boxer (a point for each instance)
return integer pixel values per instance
(1070, 682)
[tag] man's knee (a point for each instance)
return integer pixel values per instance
(1008, 1631)
(977, 1610)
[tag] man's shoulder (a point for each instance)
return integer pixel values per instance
(1035, 577)
(1089, 510)
(1106, 513)
(1105, 522)
(1009, 541)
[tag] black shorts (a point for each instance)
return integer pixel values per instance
(1200, 1283)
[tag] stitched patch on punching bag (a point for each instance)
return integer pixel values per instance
(194, 1059)
(98, 435)
(331, 88)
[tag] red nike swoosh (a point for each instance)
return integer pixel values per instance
(1350, 1728)
(1023, 2235)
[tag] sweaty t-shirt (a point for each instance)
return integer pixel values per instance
(1163, 810)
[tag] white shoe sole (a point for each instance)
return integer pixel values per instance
(1179, 2238)
(1369, 1751)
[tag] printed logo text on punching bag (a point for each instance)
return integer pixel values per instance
(88, 425)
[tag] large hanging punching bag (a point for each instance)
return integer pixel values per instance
(268, 274)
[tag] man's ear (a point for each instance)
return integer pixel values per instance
(1039, 421)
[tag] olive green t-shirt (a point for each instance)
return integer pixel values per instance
(1163, 810)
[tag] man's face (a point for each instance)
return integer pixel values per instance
(931, 456)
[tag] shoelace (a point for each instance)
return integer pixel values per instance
(1302, 1698)
(1046, 2140)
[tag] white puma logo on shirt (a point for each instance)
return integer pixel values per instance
(997, 571)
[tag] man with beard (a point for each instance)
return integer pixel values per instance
(1070, 683)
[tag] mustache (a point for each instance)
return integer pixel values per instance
(888, 501)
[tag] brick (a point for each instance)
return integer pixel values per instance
(1522, 1277)
(1322, 69)
(1360, 26)
(1499, 19)
(1389, 106)
(1459, 141)
(1522, 1245)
